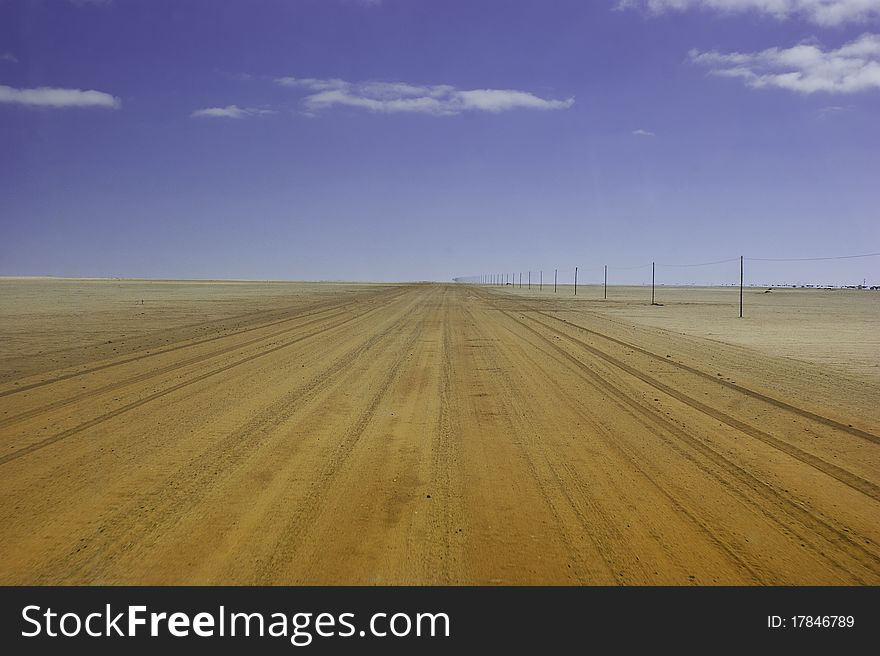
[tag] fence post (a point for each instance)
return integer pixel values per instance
(575, 281)
(541, 284)
(606, 283)
(652, 283)
(530, 279)
(555, 273)
(740, 286)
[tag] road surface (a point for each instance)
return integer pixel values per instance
(438, 434)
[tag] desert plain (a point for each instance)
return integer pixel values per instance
(231, 432)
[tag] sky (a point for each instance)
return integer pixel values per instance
(428, 139)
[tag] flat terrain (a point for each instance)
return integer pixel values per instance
(278, 433)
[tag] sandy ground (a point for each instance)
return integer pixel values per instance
(274, 433)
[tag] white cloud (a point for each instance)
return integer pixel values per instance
(230, 111)
(500, 100)
(820, 12)
(804, 68)
(642, 133)
(58, 98)
(311, 83)
(832, 111)
(8, 57)
(437, 100)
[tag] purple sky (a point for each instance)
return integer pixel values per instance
(417, 139)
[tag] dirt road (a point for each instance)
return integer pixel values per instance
(438, 434)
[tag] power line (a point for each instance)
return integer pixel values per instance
(501, 279)
(629, 268)
(809, 259)
(732, 259)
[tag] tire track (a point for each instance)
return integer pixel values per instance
(443, 454)
(139, 378)
(702, 527)
(201, 474)
(515, 421)
(811, 521)
(607, 522)
(807, 414)
(164, 392)
(307, 509)
(608, 439)
(545, 463)
(847, 478)
(188, 344)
